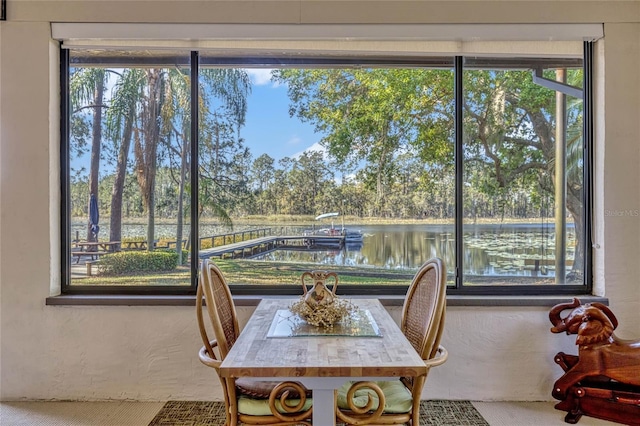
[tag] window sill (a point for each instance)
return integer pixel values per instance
(133, 300)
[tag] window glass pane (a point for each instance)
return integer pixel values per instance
(129, 153)
(313, 167)
(324, 163)
(523, 174)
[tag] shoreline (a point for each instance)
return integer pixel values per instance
(348, 220)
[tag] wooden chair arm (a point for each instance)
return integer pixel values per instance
(207, 359)
(441, 356)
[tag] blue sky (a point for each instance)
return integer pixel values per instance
(269, 128)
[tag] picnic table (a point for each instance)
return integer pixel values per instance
(93, 249)
(138, 245)
(107, 246)
(134, 245)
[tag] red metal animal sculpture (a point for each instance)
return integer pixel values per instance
(607, 368)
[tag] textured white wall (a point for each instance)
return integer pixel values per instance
(620, 239)
(150, 353)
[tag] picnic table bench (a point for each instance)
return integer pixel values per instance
(93, 249)
(94, 255)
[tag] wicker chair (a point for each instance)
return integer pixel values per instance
(398, 402)
(247, 401)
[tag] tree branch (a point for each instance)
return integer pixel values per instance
(523, 142)
(528, 166)
(90, 106)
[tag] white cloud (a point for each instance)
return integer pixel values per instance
(315, 147)
(259, 77)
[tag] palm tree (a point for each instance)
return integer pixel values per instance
(87, 91)
(120, 122)
(146, 140)
(223, 107)
(177, 124)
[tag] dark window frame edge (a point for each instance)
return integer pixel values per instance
(459, 289)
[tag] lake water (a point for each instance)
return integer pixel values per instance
(490, 250)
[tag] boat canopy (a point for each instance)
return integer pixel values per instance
(325, 215)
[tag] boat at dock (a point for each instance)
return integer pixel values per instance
(353, 237)
(349, 236)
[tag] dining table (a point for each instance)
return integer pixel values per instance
(276, 344)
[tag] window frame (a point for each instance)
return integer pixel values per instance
(277, 290)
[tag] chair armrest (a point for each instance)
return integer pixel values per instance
(439, 359)
(207, 360)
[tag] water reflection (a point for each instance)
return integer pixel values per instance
(488, 249)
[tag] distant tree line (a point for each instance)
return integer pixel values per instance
(308, 185)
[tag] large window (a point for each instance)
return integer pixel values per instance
(366, 166)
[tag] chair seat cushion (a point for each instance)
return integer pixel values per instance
(398, 399)
(260, 407)
(262, 389)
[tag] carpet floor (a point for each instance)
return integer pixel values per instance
(211, 413)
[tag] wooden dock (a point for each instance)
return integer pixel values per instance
(263, 244)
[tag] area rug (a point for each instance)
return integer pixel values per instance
(208, 413)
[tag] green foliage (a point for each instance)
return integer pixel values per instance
(388, 132)
(185, 254)
(128, 262)
(371, 116)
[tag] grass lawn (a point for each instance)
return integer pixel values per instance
(242, 271)
(252, 272)
(179, 276)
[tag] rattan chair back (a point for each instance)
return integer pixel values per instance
(424, 308)
(214, 290)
